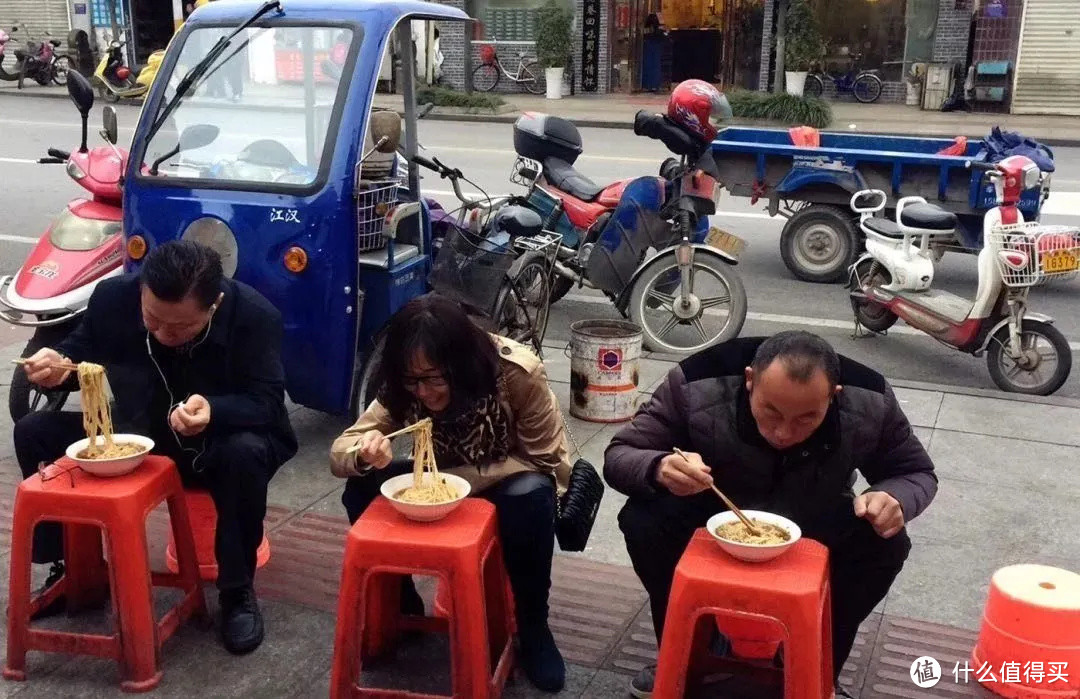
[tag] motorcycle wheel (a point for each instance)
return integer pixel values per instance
(819, 243)
(657, 288)
(60, 69)
(1042, 343)
(873, 316)
(24, 397)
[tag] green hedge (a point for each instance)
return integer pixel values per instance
(784, 108)
(445, 97)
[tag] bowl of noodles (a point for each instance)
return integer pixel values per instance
(123, 456)
(777, 535)
(439, 494)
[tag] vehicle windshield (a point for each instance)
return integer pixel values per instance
(271, 95)
(74, 233)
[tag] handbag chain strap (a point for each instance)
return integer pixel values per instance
(570, 434)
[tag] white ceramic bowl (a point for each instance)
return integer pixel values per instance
(420, 512)
(111, 467)
(752, 552)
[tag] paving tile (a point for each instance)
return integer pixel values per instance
(947, 582)
(1006, 418)
(1006, 462)
(920, 407)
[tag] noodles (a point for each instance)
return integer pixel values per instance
(432, 489)
(97, 416)
(737, 532)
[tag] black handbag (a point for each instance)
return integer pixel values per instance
(576, 510)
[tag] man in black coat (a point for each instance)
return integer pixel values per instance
(779, 424)
(193, 361)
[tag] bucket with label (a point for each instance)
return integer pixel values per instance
(604, 374)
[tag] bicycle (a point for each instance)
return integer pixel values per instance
(505, 275)
(864, 85)
(529, 74)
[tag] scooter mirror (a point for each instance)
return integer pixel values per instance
(108, 121)
(198, 135)
(80, 91)
(386, 131)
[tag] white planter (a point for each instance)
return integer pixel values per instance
(554, 77)
(795, 81)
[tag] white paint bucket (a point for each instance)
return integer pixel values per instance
(604, 373)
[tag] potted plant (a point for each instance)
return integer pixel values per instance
(553, 25)
(803, 45)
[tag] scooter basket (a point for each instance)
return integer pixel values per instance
(375, 199)
(471, 269)
(1044, 253)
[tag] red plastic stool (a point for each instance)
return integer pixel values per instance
(1031, 622)
(789, 593)
(203, 517)
(463, 551)
(442, 603)
(119, 506)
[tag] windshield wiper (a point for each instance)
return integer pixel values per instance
(200, 68)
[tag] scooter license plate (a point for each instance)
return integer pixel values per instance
(725, 242)
(1060, 261)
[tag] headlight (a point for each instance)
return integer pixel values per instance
(74, 171)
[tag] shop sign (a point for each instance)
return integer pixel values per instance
(995, 9)
(590, 46)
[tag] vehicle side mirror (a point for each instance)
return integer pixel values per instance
(80, 91)
(108, 121)
(386, 131)
(198, 135)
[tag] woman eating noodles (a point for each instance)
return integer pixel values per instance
(496, 424)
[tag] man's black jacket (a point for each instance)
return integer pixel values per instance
(235, 364)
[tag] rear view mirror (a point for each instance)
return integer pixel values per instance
(386, 131)
(198, 135)
(80, 91)
(108, 121)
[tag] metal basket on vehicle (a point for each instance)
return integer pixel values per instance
(374, 200)
(1029, 254)
(471, 269)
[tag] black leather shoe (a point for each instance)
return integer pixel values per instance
(58, 605)
(540, 658)
(241, 620)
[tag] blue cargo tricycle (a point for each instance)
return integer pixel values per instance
(811, 186)
(261, 142)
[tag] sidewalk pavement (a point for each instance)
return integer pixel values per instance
(617, 111)
(1007, 495)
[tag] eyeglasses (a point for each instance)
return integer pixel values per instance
(413, 382)
(43, 471)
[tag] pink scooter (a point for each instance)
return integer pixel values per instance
(82, 247)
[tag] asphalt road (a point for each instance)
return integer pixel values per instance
(31, 194)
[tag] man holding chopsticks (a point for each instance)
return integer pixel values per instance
(781, 425)
(193, 360)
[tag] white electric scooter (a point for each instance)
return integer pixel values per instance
(1025, 353)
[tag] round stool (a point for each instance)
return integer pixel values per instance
(1031, 619)
(203, 516)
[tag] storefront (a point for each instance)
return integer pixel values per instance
(1047, 78)
(36, 18)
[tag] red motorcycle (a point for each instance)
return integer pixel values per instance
(82, 247)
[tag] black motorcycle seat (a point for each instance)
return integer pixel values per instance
(928, 217)
(517, 221)
(883, 226)
(55, 42)
(562, 174)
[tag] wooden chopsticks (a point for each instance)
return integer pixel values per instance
(67, 366)
(404, 430)
(738, 513)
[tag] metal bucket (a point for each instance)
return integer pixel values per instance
(604, 373)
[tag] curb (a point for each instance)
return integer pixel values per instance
(509, 117)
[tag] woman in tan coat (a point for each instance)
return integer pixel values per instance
(496, 424)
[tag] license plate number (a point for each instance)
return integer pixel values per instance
(1060, 261)
(727, 242)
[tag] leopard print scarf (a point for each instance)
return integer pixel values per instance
(478, 436)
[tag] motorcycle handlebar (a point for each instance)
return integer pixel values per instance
(57, 153)
(424, 162)
(51, 161)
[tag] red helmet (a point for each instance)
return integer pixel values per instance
(698, 107)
